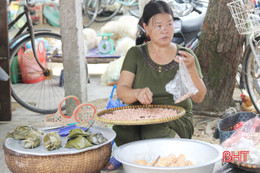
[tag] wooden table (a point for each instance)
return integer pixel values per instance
(94, 57)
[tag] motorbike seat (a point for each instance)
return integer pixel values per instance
(193, 21)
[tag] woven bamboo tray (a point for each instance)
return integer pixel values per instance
(247, 166)
(180, 113)
(88, 160)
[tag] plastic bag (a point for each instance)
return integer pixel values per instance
(30, 69)
(112, 73)
(246, 138)
(112, 103)
(181, 87)
(52, 14)
(180, 9)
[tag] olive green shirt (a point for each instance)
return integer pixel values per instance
(154, 76)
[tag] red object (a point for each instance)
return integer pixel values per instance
(238, 125)
(30, 69)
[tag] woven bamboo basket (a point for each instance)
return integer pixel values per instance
(180, 112)
(248, 167)
(82, 113)
(90, 161)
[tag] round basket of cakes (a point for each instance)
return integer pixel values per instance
(140, 114)
(28, 149)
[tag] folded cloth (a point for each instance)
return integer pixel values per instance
(64, 131)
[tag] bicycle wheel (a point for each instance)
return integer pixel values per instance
(252, 75)
(103, 14)
(90, 6)
(34, 89)
(135, 12)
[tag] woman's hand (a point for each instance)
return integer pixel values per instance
(144, 96)
(187, 58)
(189, 61)
(127, 94)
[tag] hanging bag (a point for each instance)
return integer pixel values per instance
(30, 69)
(112, 103)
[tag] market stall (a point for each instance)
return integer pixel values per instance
(238, 150)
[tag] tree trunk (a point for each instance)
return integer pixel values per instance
(219, 53)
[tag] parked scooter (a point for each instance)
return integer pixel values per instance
(187, 28)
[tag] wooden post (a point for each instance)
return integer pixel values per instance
(5, 92)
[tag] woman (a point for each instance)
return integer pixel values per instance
(146, 70)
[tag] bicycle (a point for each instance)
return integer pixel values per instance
(96, 10)
(247, 21)
(34, 69)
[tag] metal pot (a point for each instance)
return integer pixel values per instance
(203, 154)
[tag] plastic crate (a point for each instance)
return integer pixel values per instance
(225, 127)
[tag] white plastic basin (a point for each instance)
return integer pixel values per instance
(205, 155)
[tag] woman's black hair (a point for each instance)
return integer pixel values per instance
(152, 8)
(155, 7)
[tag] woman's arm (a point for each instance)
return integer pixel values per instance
(127, 94)
(198, 82)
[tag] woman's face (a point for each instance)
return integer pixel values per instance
(160, 28)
